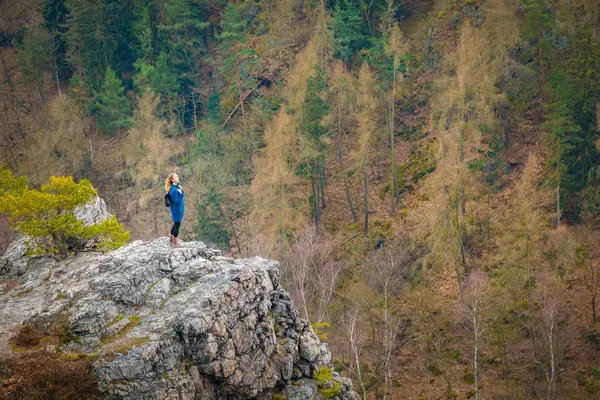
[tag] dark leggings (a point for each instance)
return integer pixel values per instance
(175, 229)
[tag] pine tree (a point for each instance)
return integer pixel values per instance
(36, 58)
(585, 70)
(564, 142)
(183, 35)
(100, 35)
(539, 28)
(347, 26)
(162, 79)
(313, 142)
(55, 14)
(212, 222)
(395, 47)
(367, 105)
(239, 60)
(144, 32)
(112, 105)
(46, 215)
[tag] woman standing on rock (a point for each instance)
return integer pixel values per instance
(176, 193)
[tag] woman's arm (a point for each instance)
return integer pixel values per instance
(176, 195)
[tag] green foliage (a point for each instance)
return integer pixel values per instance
(55, 15)
(570, 152)
(212, 222)
(112, 105)
(313, 141)
(489, 163)
(313, 138)
(183, 30)
(145, 35)
(12, 184)
(539, 29)
(320, 328)
(239, 60)
(590, 211)
(347, 27)
(162, 79)
(585, 72)
(99, 36)
(46, 216)
(432, 367)
(328, 389)
(36, 56)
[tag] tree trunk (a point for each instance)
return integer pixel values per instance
(541, 57)
(342, 171)
(558, 206)
(154, 212)
(58, 83)
(322, 181)
(475, 351)
(240, 92)
(594, 308)
(366, 192)
(11, 94)
(170, 108)
(195, 113)
(235, 236)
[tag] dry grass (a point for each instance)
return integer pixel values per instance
(40, 375)
(34, 373)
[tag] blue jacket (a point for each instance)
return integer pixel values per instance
(176, 203)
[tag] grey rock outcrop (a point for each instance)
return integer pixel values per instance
(174, 323)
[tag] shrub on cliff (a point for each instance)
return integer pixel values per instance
(47, 216)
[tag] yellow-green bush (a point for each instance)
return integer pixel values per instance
(46, 215)
(328, 388)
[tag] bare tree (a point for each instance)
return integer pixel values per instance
(590, 274)
(314, 270)
(388, 275)
(550, 314)
(355, 341)
(474, 302)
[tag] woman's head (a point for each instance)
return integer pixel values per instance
(171, 179)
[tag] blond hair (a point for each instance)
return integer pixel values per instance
(169, 182)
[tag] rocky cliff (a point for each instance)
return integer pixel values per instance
(170, 323)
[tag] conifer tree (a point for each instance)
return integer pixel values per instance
(162, 79)
(145, 35)
(55, 14)
(112, 105)
(184, 38)
(46, 215)
(539, 28)
(367, 105)
(313, 142)
(341, 90)
(35, 56)
(564, 141)
(395, 48)
(585, 72)
(347, 26)
(239, 60)
(100, 35)
(212, 220)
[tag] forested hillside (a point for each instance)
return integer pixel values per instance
(427, 172)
